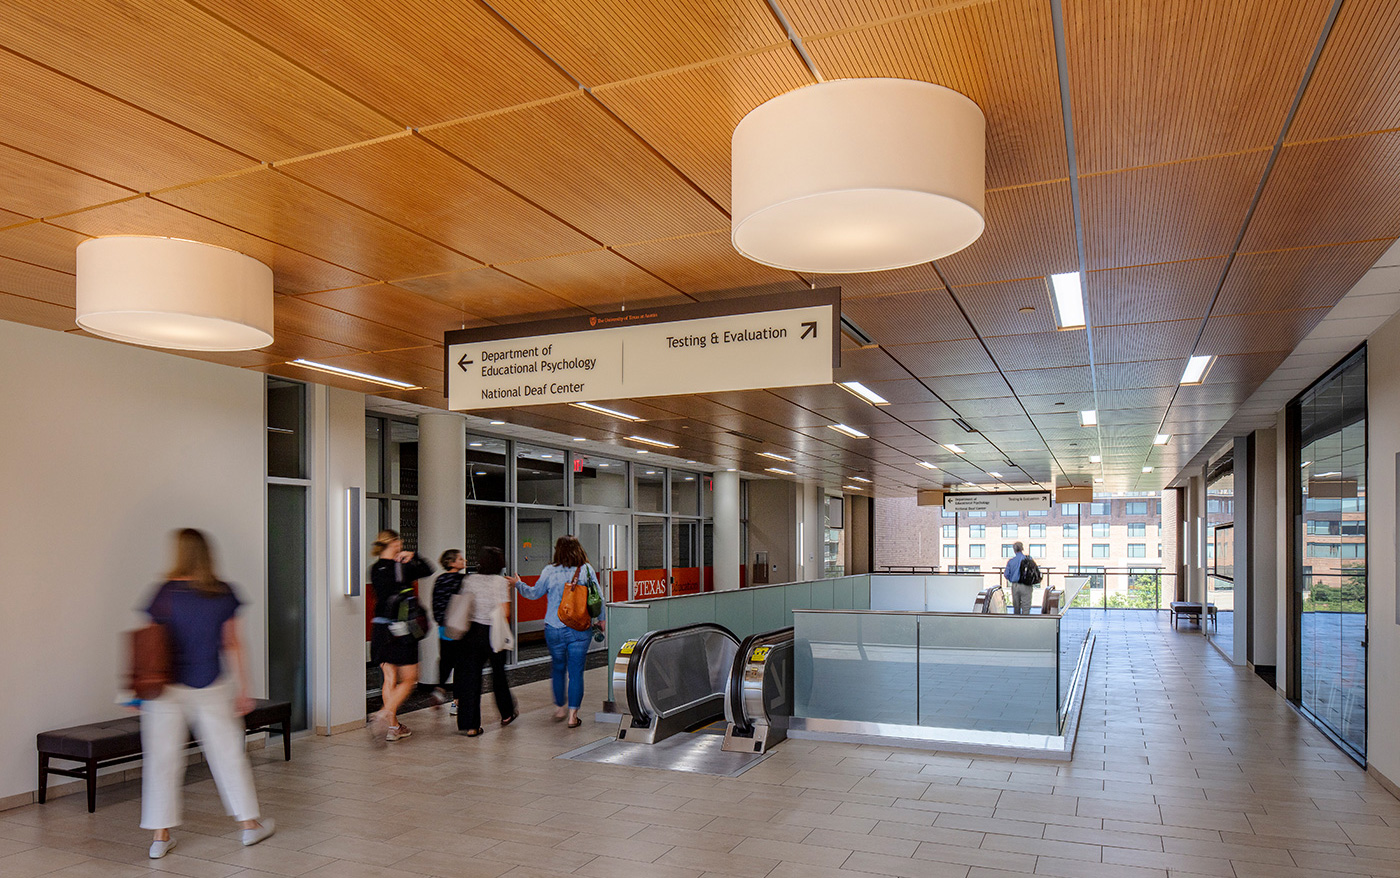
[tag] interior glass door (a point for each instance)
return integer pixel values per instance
(605, 537)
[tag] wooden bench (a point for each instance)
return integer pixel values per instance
(113, 742)
(1192, 609)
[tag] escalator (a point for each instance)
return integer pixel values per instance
(675, 680)
(760, 697)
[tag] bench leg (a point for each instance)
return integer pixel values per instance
(287, 740)
(92, 785)
(43, 777)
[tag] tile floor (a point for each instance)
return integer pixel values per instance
(1185, 766)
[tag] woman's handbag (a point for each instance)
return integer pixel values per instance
(501, 636)
(595, 598)
(459, 614)
(573, 605)
(151, 662)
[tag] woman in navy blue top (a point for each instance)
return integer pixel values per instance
(568, 647)
(199, 612)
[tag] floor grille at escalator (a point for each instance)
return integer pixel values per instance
(695, 752)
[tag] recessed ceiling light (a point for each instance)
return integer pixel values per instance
(995, 475)
(731, 470)
(351, 373)
(953, 448)
(1088, 418)
(1161, 439)
(1325, 475)
(1095, 458)
(604, 464)
(864, 392)
(643, 451)
(612, 413)
(546, 456)
(785, 472)
(657, 442)
(853, 487)
(925, 464)
(1098, 480)
(474, 444)
(1306, 463)
(690, 478)
(1147, 469)
(774, 456)
(480, 472)
(498, 423)
(1196, 369)
(860, 479)
(964, 424)
(1068, 297)
(651, 472)
(849, 431)
(580, 439)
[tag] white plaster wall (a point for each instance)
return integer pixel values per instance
(104, 450)
(337, 620)
(1383, 438)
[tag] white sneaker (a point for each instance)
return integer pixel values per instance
(398, 733)
(161, 848)
(258, 833)
(452, 709)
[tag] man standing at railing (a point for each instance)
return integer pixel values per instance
(1020, 594)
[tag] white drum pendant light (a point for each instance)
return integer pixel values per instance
(173, 293)
(859, 175)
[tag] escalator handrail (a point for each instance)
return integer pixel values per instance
(736, 673)
(639, 651)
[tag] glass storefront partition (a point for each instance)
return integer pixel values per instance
(1329, 490)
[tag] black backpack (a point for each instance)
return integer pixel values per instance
(1030, 572)
(404, 607)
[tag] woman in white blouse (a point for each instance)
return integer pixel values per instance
(490, 592)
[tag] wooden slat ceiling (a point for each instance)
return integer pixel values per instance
(420, 167)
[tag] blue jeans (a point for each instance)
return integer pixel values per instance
(568, 649)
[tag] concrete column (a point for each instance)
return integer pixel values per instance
(1196, 538)
(1241, 562)
(1264, 545)
(726, 535)
(813, 518)
(442, 509)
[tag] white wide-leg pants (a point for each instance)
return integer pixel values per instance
(165, 729)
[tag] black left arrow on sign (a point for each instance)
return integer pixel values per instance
(810, 330)
(464, 362)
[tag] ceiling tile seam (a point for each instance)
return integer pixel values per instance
(546, 292)
(650, 273)
(1057, 23)
(688, 68)
(499, 111)
(896, 19)
(794, 39)
(336, 150)
(1188, 160)
(1316, 246)
(684, 177)
(1012, 187)
(274, 244)
(1339, 137)
(429, 339)
(79, 171)
(51, 217)
(1288, 118)
(88, 87)
(217, 178)
(333, 86)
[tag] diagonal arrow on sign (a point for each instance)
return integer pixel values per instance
(464, 362)
(810, 330)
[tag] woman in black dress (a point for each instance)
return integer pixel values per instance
(395, 653)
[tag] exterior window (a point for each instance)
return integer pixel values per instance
(1100, 550)
(1071, 530)
(977, 550)
(977, 531)
(1008, 531)
(1037, 550)
(1137, 550)
(1038, 530)
(1099, 508)
(1100, 529)
(1137, 529)
(1071, 550)
(1012, 514)
(950, 531)
(1006, 550)
(1135, 507)
(980, 513)
(1037, 513)
(950, 551)
(1069, 508)
(949, 513)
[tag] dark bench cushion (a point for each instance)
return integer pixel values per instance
(122, 737)
(103, 740)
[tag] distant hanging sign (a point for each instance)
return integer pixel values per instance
(1005, 501)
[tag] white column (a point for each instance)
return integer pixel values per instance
(726, 534)
(1263, 543)
(442, 508)
(813, 530)
(1243, 587)
(1195, 538)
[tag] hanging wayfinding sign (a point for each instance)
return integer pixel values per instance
(1005, 501)
(743, 344)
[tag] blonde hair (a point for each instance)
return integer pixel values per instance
(194, 562)
(386, 537)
